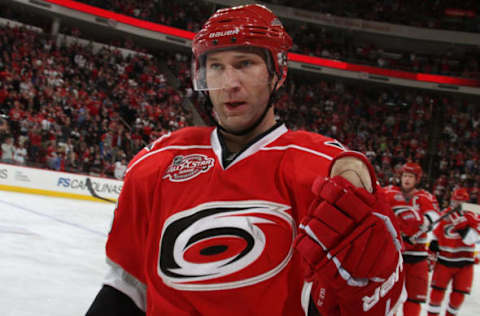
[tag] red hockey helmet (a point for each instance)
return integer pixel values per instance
(412, 167)
(460, 194)
(243, 26)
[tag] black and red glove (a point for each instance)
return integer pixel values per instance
(473, 220)
(468, 226)
(348, 241)
(459, 221)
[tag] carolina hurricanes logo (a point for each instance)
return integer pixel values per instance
(451, 233)
(225, 245)
(184, 168)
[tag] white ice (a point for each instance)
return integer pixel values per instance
(52, 259)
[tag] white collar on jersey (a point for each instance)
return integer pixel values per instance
(250, 149)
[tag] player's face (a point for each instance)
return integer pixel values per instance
(242, 87)
(408, 181)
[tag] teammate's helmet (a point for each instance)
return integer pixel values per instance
(460, 194)
(242, 26)
(414, 168)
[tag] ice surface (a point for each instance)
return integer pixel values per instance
(52, 259)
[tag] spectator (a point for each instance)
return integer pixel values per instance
(8, 150)
(120, 167)
(4, 128)
(52, 157)
(20, 154)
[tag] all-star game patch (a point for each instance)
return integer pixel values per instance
(184, 168)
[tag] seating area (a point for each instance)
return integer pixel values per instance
(315, 40)
(73, 107)
(80, 110)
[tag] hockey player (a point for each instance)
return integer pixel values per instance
(246, 218)
(416, 210)
(454, 245)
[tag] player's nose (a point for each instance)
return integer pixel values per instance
(231, 78)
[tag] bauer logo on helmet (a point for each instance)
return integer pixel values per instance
(224, 33)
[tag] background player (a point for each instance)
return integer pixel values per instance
(416, 210)
(453, 244)
(207, 217)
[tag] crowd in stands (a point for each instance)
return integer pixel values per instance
(439, 14)
(315, 40)
(393, 126)
(79, 109)
(184, 14)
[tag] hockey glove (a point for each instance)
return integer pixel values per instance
(468, 226)
(473, 220)
(459, 221)
(348, 241)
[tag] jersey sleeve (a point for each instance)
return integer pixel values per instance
(125, 248)
(430, 208)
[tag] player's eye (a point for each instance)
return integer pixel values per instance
(244, 63)
(215, 66)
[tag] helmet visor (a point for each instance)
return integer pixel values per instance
(227, 69)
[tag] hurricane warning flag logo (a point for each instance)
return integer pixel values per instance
(225, 245)
(184, 168)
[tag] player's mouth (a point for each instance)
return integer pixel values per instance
(234, 105)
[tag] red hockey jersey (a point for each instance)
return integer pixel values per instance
(453, 249)
(192, 236)
(422, 202)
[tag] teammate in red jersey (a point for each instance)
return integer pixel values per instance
(454, 245)
(244, 218)
(416, 210)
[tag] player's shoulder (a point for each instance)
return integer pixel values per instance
(188, 136)
(182, 138)
(425, 194)
(311, 142)
(392, 189)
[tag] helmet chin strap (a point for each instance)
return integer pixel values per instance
(208, 107)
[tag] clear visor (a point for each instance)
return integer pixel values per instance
(230, 69)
